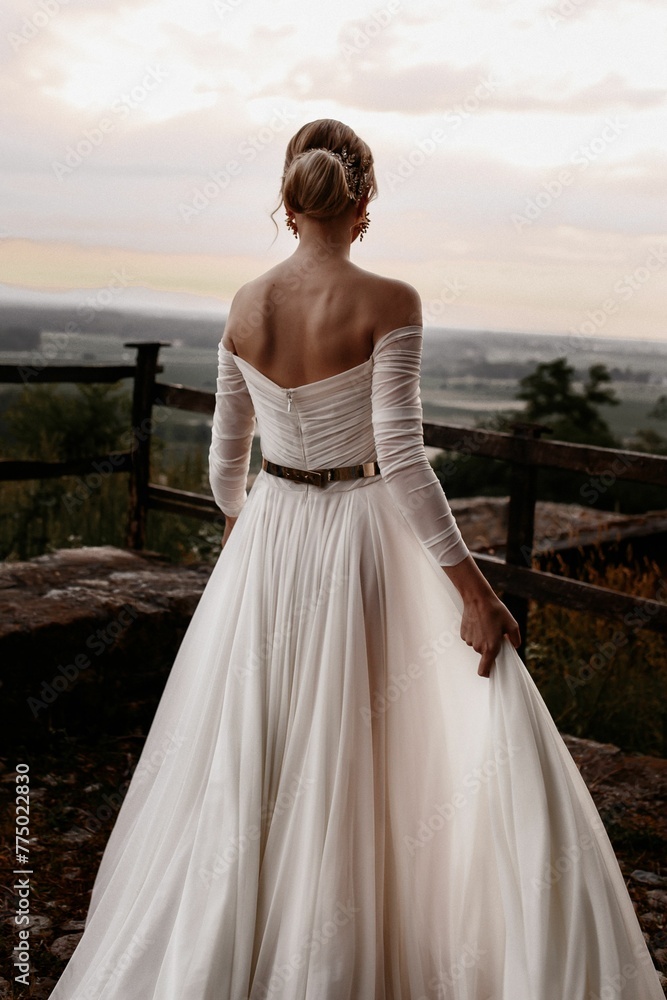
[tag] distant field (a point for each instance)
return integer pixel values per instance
(452, 388)
(465, 401)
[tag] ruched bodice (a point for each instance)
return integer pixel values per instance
(371, 412)
(321, 424)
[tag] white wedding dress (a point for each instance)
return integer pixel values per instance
(331, 804)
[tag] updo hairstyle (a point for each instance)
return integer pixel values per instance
(327, 166)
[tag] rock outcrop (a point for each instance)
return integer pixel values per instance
(87, 639)
(559, 527)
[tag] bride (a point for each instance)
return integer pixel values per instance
(317, 314)
(360, 793)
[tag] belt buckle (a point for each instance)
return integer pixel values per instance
(312, 478)
(315, 478)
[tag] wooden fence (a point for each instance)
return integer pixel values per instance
(523, 450)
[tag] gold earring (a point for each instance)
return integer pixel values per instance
(291, 225)
(363, 226)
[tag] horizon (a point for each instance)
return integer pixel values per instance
(153, 304)
(520, 149)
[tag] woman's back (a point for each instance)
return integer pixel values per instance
(314, 316)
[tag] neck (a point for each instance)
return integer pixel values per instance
(324, 239)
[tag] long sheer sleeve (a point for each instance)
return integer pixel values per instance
(231, 438)
(399, 443)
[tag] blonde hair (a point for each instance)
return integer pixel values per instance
(327, 166)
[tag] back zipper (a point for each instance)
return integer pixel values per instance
(289, 400)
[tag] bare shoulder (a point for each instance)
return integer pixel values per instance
(399, 305)
(406, 299)
(227, 341)
(241, 303)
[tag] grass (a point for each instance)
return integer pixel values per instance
(601, 679)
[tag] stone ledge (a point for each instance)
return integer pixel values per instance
(559, 527)
(87, 638)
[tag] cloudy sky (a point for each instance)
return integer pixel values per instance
(520, 148)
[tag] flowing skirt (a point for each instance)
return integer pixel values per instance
(331, 804)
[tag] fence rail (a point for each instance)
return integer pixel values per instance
(547, 588)
(26, 374)
(635, 466)
(119, 461)
(524, 450)
(183, 398)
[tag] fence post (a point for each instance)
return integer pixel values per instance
(521, 521)
(142, 426)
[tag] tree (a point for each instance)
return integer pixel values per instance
(659, 411)
(552, 399)
(646, 439)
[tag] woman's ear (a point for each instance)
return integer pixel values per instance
(362, 205)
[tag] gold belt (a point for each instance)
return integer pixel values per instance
(320, 477)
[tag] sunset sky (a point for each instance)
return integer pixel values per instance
(520, 148)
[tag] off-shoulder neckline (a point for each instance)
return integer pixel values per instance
(319, 381)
